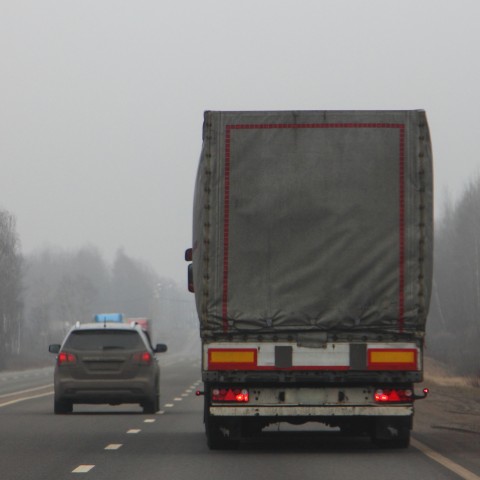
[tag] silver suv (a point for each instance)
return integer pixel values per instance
(106, 363)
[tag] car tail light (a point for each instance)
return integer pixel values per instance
(235, 395)
(393, 395)
(65, 358)
(143, 358)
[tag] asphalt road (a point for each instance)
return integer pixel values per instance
(103, 442)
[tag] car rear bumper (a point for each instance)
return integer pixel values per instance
(104, 391)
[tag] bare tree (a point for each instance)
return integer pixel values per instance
(11, 304)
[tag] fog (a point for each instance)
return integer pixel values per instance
(101, 102)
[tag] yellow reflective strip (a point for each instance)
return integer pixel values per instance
(232, 357)
(392, 357)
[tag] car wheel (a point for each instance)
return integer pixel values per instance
(62, 406)
(150, 405)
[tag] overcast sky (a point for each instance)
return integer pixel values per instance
(101, 101)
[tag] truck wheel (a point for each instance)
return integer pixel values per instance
(402, 441)
(62, 406)
(218, 437)
(391, 434)
(251, 427)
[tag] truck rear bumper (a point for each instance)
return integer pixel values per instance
(312, 411)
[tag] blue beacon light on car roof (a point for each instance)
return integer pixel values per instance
(108, 317)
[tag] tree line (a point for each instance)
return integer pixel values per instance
(11, 299)
(453, 327)
(42, 295)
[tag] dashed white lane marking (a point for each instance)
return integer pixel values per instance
(184, 395)
(83, 469)
(437, 457)
(160, 412)
(168, 405)
(113, 446)
(134, 430)
(188, 390)
(149, 420)
(177, 399)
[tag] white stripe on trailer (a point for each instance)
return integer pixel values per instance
(332, 355)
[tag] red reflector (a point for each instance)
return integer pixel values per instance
(392, 359)
(393, 395)
(64, 357)
(235, 395)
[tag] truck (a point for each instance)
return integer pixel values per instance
(311, 265)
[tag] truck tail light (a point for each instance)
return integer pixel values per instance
(234, 395)
(143, 358)
(65, 358)
(393, 395)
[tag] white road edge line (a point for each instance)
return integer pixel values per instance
(26, 391)
(11, 402)
(437, 457)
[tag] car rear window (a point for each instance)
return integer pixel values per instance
(104, 340)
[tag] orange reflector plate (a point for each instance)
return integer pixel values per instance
(392, 359)
(232, 359)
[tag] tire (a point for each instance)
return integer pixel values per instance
(62, 406)
(218, 435)
(250, 427)
(150, 406)
(391, 434)
(400, 442)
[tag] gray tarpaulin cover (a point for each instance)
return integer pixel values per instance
(313, 220)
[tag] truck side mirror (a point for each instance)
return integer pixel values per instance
(190, 278)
